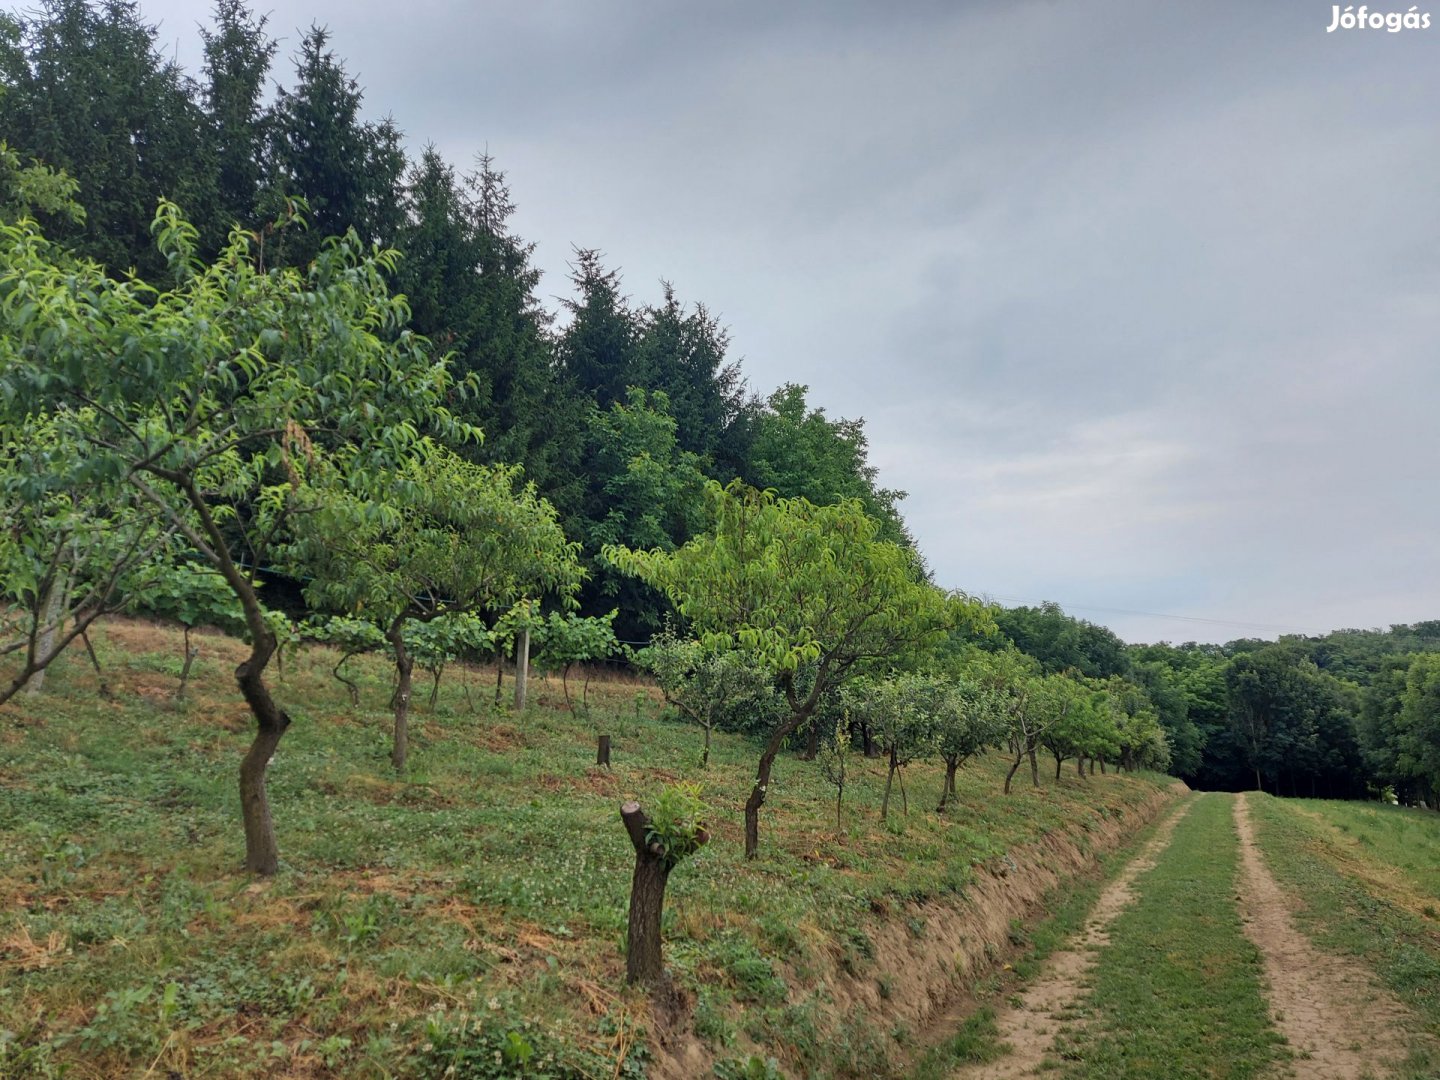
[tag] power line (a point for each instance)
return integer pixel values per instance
(1275, 627)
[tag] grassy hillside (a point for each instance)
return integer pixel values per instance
(470, 914)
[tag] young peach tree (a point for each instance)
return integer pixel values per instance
(428, 536)
(791, 584)
(204, 397)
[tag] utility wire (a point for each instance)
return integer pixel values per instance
(1278, 628)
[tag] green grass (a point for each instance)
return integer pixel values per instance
(974, 1042)
(1352, 907)
(469, 914)
(1399, 837)
(1065, 908)
(1177, 993)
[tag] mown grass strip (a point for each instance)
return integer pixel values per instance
(1341, 915)
(1404, 840)
(977, 1039)
(1178, 992)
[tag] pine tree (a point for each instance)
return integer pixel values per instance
(348, 172)
(683, 354)
(238, 53)
(597, 349)
(472, 289)
(87, 92)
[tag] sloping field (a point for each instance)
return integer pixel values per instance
(471, 915)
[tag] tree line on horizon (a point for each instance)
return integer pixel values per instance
(1350, 714)
(620, 413)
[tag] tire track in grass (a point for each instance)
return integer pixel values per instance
(1178, 992)
(1030, 1027)
(1343, 1026)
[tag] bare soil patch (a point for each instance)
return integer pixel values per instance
(1329, 1008)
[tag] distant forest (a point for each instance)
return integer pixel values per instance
(619, 412)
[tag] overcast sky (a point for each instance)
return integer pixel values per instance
(1139, 300)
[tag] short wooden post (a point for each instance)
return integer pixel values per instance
(522, 668)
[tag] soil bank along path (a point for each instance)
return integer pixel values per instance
(1340, 1024)
(1030, 1027)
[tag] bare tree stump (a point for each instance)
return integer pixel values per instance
(602, 751)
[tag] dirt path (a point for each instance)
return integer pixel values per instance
(1030, 1028)
(1327, 1007)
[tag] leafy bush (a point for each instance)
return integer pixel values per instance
(466, 1047)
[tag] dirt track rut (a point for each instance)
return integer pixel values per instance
(1328, 1008)
(1030, 1028)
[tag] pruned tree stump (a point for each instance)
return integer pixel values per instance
(643, 960)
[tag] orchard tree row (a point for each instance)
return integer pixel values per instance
(168, 442)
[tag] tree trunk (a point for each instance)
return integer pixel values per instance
(1080, 767)
(51, 618)
(952, 764)
(565, 685)
(262, 853)
(839, 798)
(499, 672)
(1009, 776)
(762, 771)
(889, 779)
(643, 959)
(185, 668)
(1058, 762)
(404, 666)
(105, 691)
(1034, 768)
(867, 742)
(1102, 767)
(812, 742)
(350, 686)
(435, 686)
(904, 799)
(757, 797)
(602, 751)
(705, 753)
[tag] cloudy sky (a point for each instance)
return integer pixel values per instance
(1139, 300)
